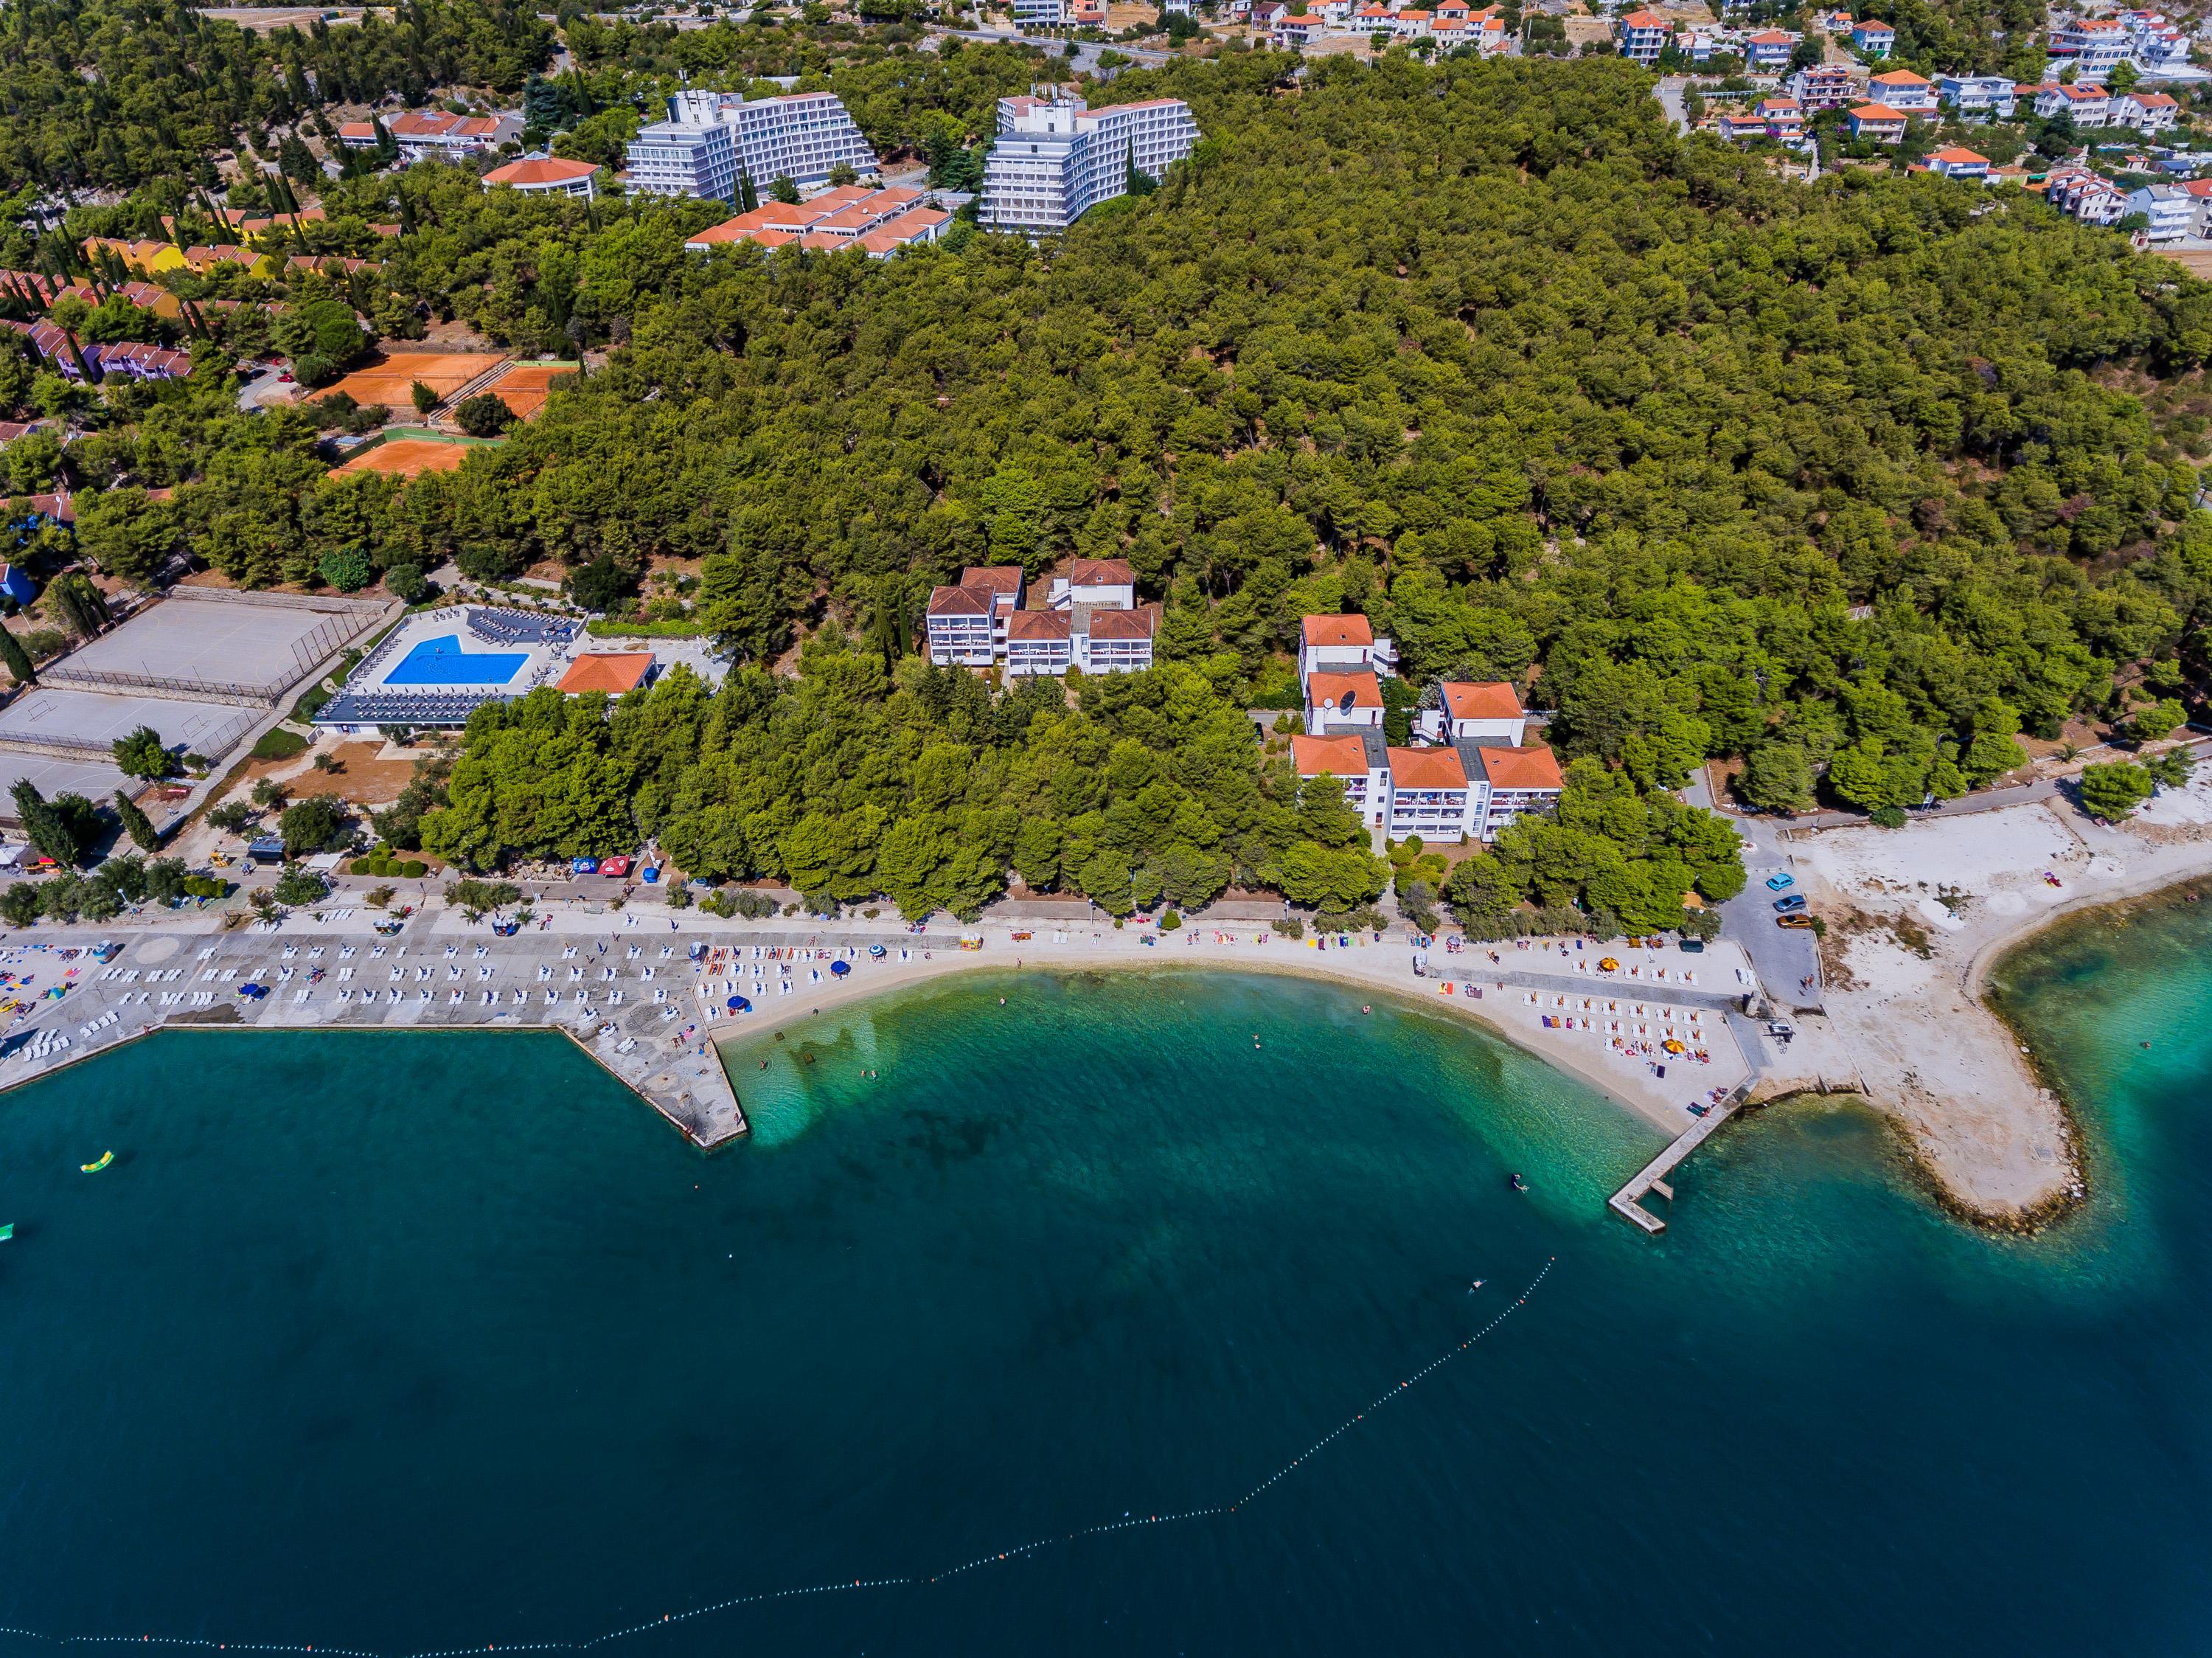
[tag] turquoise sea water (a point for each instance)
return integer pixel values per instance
(397, 1343)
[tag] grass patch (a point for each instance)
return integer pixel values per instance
(278, 744)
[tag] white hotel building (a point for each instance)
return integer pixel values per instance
(1053, 161)
(1092, 621)
(713, 139)
(1469, 776)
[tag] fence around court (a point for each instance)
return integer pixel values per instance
(348, 619)
(214, 743)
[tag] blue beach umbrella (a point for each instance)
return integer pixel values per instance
(839, 969)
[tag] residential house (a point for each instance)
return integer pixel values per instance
(1516, 782)
(2094, 45)
(1412, 24)
(1990, 96)
(434, 135)
(2089, 198)
(2171, 211)
(2200, 192)
(1643, 36)
(1825, 86)
(1873, 40)
(2090, 105)
(1107, 581)
(967, 624)
(1342, 644)
(1956, 163)
(1039, 642)
(1471, 711)
(1300, 32)
(1878, 123)
(1767, 52)
(1358, 760)
(1343, 700)
(1105, 640)
(1903, 90)
(547, 175)
(1784, 117)
(1429, 795)
(2146, 112)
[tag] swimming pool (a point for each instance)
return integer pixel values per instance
(442, 662)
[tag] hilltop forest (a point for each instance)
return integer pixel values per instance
(1854, 482)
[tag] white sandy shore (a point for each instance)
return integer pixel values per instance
(1371, 969)
(1918, 916)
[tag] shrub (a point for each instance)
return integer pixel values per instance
(1888, 817)
(483, 416)
(407, 583)
(231, 816)
(1288, 927)
(278, 744)
(376, 897)
(1169, 921)
(143, 754)
(347, 569)
(314, 825)
(300, 887)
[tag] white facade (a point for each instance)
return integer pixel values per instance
(2146, 112)
(1903, 91)
(2093, 44)
(1988, 95)
(2170, 209)
(713, 139)
(1053, 161)
(1105, 581)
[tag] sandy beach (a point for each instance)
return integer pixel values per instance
(1917, 916)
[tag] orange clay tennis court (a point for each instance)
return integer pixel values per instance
(391, 379)
(524, 387)
(409, 457)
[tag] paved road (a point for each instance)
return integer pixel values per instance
(1788, 959)
(1670, 99)
(1086, 52)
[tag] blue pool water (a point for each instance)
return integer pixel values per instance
(441, 662)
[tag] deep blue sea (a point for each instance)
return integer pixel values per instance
(395, 1344)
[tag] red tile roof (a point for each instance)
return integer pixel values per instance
(1484, 700)
(1123, 623)
(959, 602)
(1521, 768)
(1426, 768)
(1345, 632)
(997, 578)
(550, 171)
(1036, 624)
(1329, 690)
(1332, 757)
(612, 672)
(1101, 573)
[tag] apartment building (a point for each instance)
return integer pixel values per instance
(1784, 117)
(967, 624)
(1825, 86)
(1100, 629)
(1956, 163)
(1469, 774)
(1055, 159)
(1643, 36)
(1878, 123)
(1904, 91)
(2094, 45)
(2170, 210)
(1872, 38)
(432, 135)
(2146, 112)
(1990, 96)
(2090, 105)
(711, 140)
(1767, 52)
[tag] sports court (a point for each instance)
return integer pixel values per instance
(390, 379)
(410, 457)
(215, 641)
(526, 386)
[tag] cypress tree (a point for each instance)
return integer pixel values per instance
(135, 823)
(17, 658)
(43, 826)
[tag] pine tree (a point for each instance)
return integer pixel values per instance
(17, 658)
(748, 198)
(135, 823)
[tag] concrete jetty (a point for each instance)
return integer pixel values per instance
(632, 1002)
(1627, 1203)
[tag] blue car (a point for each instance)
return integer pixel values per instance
(1776, 883)
(1790, 905)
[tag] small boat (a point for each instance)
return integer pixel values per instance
(7, 1230)
(106, 1158)
(1476, 1285)
(1518, 1183)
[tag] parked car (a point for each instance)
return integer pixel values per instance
(1793, 921)
(1691, 946)
(1776, 883)
(1789, 905)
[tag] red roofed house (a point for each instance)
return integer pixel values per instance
(1877, 122)
(1515, 781)
(878, 222)
(1956, 163)
(1469, 712)
(546, 175)
(1429, 795)
(1095, 581)
(1901, 89)
(1110, 641)
(1343, 701)
(1643, 36)
(1769, 50)
(612, 672)
(1357, 760)
(1872, 38)
(1342, 642)
(966, 623)
(1039, 642)
(2146, 112)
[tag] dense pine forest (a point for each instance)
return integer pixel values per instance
(1855, 483)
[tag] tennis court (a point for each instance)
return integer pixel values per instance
(391, 379)
(526, 386)
(409, 457)
(215, 641)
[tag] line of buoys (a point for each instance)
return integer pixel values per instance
(1018, 1553)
